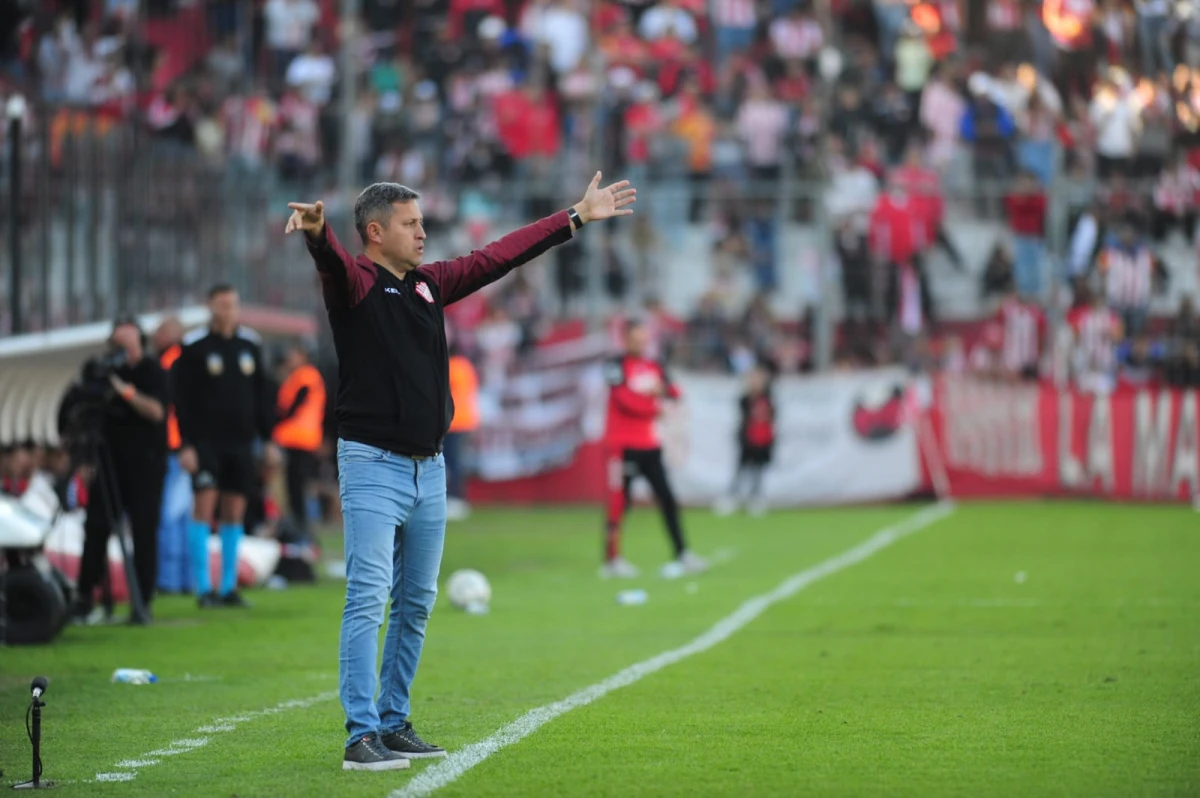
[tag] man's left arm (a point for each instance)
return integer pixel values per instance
(464, 276)
(461, 277)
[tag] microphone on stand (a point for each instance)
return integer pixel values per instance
(36, 689)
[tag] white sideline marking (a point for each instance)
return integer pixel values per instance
(455, 765)
(128, 768)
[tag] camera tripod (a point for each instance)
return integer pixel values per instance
(106, 498)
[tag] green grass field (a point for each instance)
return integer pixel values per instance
(1008, 649)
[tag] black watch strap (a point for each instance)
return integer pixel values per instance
(573, 215)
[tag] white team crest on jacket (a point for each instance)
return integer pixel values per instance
(426, 294)
(215, 364)
(246, 363)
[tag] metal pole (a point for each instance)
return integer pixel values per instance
(347, 96)
(824, 323)
(45, 222)
(595, 243)
(16, 113)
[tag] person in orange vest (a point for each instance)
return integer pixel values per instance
(300, 430)
(464, 390)
(174, 562)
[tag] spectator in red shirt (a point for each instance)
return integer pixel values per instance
(925, 187)
(897, 236)
(1026, 209)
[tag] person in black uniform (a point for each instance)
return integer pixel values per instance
(224, 407)
(134, 435)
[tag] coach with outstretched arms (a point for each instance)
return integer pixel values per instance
(393, 411)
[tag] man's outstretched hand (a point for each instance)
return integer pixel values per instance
(605, 203)
(308, 218)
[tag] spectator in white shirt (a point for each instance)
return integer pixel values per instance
(667, 16)
(796, 37)
(761, 122)
(289, 25)
(1117, 122)
(561, 28)
(313, 73)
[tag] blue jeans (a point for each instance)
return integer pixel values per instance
(1154, 42)
(1037, 157)
(732, 40)
(174, 570)
(454, 448)
(1027, 266)
(394, 509)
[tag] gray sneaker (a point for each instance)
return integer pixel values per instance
(405, 742)
(370, 754)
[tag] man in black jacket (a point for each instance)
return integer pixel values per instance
(225, 407)
(393, 411)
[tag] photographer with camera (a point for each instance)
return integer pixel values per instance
(114, 424)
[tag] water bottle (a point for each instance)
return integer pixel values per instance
(133, 676)
(632, 597)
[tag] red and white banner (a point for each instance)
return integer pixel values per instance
(840, 438)
(998, 439)
(535, 418)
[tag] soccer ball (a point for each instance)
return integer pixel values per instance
(469, 590)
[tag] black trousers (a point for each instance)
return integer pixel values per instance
(625, 467)
(126, 484)
(299, 471)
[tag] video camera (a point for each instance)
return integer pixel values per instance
(81, 416)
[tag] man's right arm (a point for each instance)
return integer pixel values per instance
(344, 282)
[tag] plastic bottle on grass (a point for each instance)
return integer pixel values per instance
(133, 676)
(632, 597)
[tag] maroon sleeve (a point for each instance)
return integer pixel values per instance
(463, 276)
(344, 281)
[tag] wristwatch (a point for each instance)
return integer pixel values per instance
(573, 215)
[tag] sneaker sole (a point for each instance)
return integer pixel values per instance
(433, 755)
(389, 764)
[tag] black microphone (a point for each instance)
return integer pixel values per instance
(38, 687)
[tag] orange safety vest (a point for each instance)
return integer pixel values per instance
(305, 429)
(166, 360)
(464, 389)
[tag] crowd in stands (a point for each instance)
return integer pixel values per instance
(713, 103)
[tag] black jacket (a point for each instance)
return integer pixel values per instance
(390, 334)
(220, 390)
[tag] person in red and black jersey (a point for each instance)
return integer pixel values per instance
(639, 387)
(756, 441)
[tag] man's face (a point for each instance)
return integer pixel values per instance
(225, 309)
(293, 360)
(402, 240)
(636, 339)
(167, 334)
(127, 337)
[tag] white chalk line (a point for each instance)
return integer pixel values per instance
(128, 769)
(456, 764)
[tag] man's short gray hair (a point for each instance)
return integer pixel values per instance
(374, 204)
